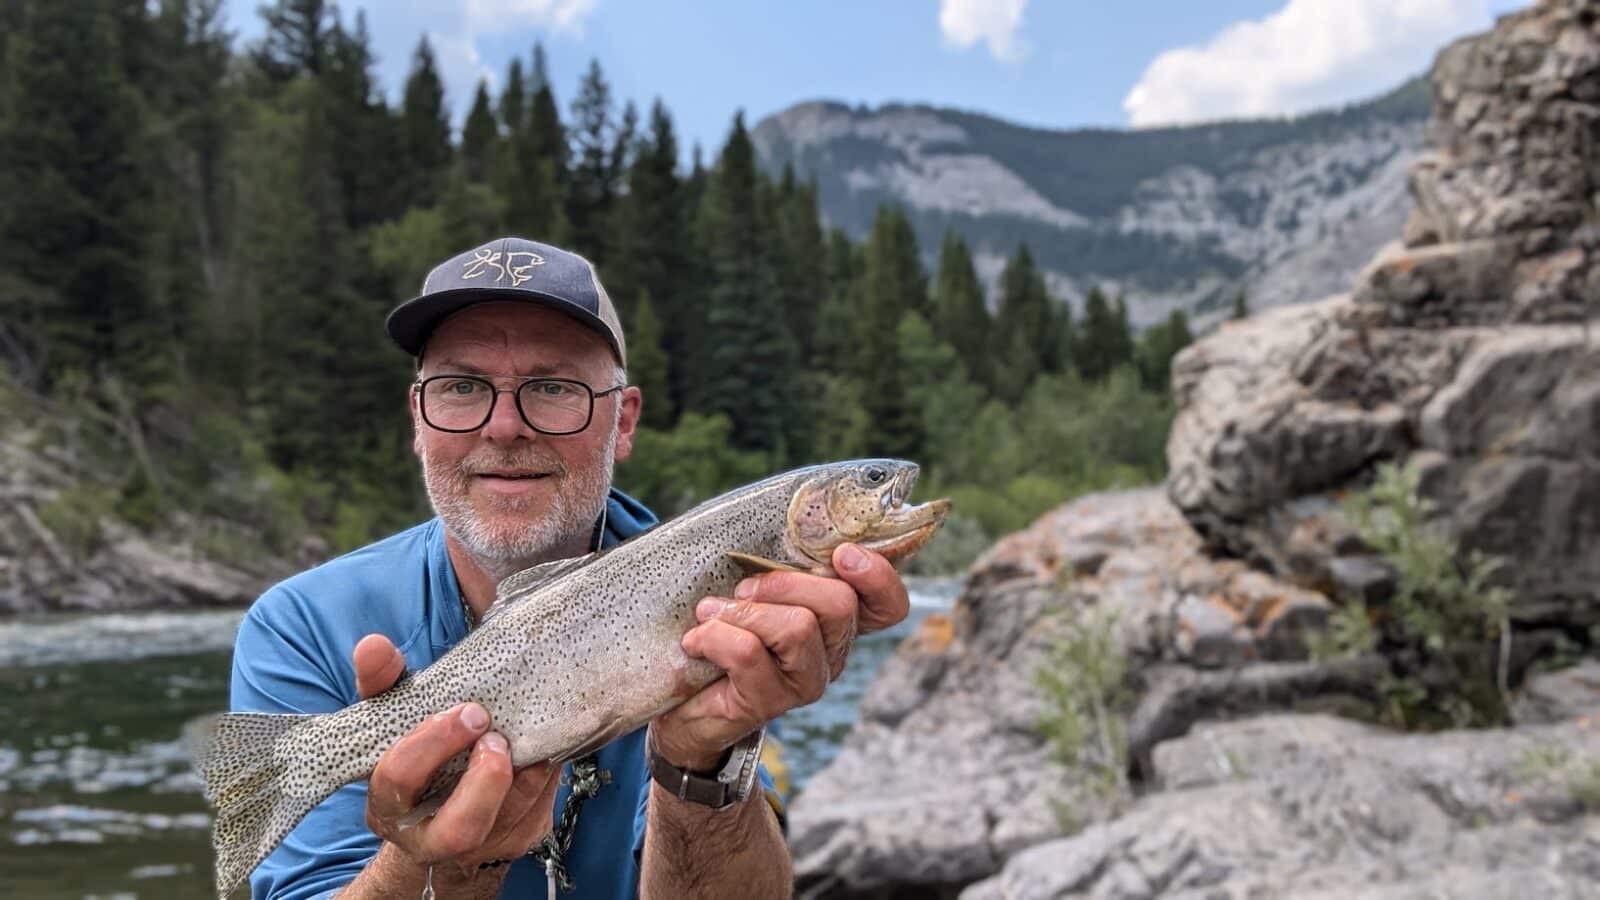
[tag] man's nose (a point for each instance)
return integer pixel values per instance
(505, 422)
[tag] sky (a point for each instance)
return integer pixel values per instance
(1043, 63)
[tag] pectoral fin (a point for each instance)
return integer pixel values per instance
(755, 565)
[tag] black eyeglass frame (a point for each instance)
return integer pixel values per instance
(516, 400)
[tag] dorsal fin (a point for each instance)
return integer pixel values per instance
(522, 584)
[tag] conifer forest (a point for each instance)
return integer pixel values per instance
(201, 236)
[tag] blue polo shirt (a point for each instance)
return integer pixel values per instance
(293, 655)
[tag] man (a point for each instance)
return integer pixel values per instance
(520, 409)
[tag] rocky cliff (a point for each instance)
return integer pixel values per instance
(1287, 210)
(1463, 348)
(64, 548)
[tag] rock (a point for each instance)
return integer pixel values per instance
(1174, 697)
(947, 772)
(1462, 348)
(1365, 578)
(1314, 806)
(1569, 693)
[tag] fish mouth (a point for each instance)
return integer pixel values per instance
(912, 526)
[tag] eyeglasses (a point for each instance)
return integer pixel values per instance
(462, 403)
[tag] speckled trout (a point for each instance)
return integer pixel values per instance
(572, 655)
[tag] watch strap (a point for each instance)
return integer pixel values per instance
(730, 784)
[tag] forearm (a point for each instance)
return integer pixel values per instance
(394, 874)
(695, 851)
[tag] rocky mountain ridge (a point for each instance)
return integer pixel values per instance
(1286, 210)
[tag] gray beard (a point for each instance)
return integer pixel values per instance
(500, 550)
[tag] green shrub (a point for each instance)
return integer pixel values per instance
(74, 515)
(1446, 629)
(673, 470)
(1085, 686)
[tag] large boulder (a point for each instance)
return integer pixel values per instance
(948, 773)
(1465, 347)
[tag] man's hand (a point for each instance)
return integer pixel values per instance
(781, 639)
(493, 813)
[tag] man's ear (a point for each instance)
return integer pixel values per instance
(632, 401)
(414, 405)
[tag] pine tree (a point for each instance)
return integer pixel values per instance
(296, 38)
(479, 135)
(361, 132)
(1121, 343)
(1025, 336)
(649, 234)
(648, 364)
(1105, 341)
(533, 167)
(751, 364)
(593, 183)
(892, 284)
(833, 342)
(425, 127)
(803, 277)
(546, 133)
(960, 316)
(75, 190)
(1241, 306)
(1158, 346)
(513, 106)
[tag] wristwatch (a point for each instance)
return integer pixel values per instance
(725, 787)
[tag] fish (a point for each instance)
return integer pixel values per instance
(572, 654)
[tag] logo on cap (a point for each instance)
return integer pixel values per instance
(506, 265)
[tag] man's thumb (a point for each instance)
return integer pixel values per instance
(378, 665)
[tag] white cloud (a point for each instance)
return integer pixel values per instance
(460, 68)
(996, 22)
(454, 28)
(557, 15)
(1309, 54)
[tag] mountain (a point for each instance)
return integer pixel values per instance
(1286, 210)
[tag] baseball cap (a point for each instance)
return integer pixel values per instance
(509, 268)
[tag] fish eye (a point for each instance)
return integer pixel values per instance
(876, 475)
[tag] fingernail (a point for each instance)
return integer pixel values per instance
(709, 608)
(746, 589)
(851, 559)
(493, 743)
(474, 717)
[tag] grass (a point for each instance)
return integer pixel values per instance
(1085, 685)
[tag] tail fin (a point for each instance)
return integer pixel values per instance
(243, 759)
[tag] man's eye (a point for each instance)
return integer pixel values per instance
(462, 388)
(553, 388)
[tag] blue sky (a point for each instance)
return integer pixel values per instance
(1061, 64)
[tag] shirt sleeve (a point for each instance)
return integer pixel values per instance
(281, 664)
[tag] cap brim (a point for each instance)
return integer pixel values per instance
(411, 323)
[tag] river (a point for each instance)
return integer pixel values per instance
(97, 799)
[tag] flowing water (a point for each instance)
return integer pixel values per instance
(97, 799)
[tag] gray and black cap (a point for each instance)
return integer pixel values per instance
(512, 269)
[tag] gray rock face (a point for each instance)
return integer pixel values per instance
(947, 773)
(1465, 347)
(1570, 693)
(1319, 807)
(1288, 211)
(112, 568)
